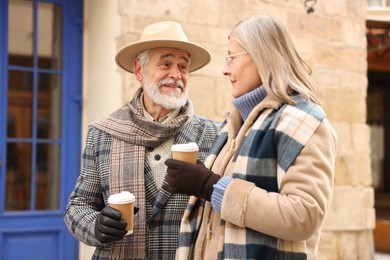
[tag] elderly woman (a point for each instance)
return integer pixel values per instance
(264, 190)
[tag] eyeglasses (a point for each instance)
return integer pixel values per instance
(229, 58)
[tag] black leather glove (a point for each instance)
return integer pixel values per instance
(109, 226)
(190, 179)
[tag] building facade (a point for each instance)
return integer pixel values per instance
(332, 39)
(330, 35)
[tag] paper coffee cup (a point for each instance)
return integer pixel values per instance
(185, 152)
(124, 203)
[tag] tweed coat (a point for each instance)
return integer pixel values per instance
(163, 210)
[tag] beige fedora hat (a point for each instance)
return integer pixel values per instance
(163, 34)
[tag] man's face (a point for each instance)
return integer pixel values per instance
(165, 77)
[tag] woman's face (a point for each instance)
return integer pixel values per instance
(241, 69)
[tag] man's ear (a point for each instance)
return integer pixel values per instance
(138, 70)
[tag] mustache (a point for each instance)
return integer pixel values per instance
(178, 82)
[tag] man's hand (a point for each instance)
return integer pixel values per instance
(190, 179)
(109, 226)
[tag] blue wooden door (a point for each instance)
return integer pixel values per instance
(40, 125)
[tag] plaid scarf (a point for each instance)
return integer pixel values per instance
(131, 134)
(270, 139)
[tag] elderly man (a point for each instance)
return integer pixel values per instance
(127, 150)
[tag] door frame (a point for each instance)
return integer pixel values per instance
(71, 128)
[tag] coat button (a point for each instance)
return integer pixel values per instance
(152, 225)
(149, 149)
(157, 157)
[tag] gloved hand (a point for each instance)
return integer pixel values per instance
(190, 179)
(109, 226)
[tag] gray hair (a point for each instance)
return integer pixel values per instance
(282, 71)
(143, 58)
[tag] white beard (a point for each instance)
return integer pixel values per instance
(173, 99)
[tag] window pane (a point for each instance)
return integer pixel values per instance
(49, 106)
(20, 81)
(374, 2)
(47, 182)
(20, 34)
(20, 101)
(49, 36)
(18, 176)
(376, 99)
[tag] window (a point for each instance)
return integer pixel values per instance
(34, 106)
(378, 3)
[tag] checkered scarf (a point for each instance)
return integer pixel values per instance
(270, 139)
(131, 134)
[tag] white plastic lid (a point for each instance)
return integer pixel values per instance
(121, 198)
(190, 147)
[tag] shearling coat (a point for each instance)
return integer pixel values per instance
(273, 205)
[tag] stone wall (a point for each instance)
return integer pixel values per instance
(332, 40)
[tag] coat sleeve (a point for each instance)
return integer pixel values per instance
(298, 211)
(86, 200)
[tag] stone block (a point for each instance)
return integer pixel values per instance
(352, 138)
(346, 245)
(354, 33)
(328, 79)
(344, 138)
(214, 36)
(125, 39)
(360, 136)
(201, 89)
(312, 27)
(365, 244)
(345, 105)
(130, 87)
(353, 245)
(351, 209)
(353, 169)
(340, 56)
(224, 96)
(353, 80)
(347, 9)
(327, 249)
